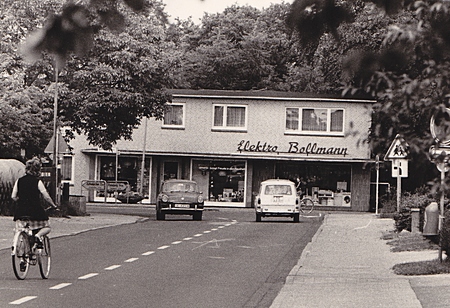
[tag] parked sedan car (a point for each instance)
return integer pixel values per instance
(179, 197)
(277, 198)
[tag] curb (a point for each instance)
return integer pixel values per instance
(305, 253)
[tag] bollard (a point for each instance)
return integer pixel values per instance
(431, 223)
(415, 220)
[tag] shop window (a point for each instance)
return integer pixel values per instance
(326, 184)
(230, 117)
(315, 120)
(221, 181)
(128, 169)
(174, 115)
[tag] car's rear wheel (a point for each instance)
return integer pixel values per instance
(297, 217)
(197, 216)
(258, 217)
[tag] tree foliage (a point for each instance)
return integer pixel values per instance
(111, 62)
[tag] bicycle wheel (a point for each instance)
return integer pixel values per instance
(44, 258)
(307, 205)
(20, 256)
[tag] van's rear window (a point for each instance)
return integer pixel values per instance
(278, 190)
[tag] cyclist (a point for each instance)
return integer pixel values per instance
(26, 192)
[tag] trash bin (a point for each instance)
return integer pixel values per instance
(431, 222)
(77, 205)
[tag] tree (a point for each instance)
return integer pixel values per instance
(127, 82)
(241, 48)
(122, 80)
(408, 74)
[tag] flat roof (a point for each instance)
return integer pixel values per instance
(264, 95)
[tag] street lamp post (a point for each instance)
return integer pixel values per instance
(55, 134)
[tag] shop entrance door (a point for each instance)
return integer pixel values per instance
(170, 170)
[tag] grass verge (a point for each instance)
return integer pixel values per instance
(406, 241)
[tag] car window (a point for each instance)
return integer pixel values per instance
(183, 187)
(278, 190)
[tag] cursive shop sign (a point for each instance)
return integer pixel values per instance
(292, 147)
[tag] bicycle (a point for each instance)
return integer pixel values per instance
(306, 205)
(25, 252)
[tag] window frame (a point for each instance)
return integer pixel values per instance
(72, 168)
(328, 132)
(224, 126)
(176, 126)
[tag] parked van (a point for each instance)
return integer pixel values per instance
(277, 198)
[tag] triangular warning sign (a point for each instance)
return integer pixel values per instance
(398, 149)
(63, 147)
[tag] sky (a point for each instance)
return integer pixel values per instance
(195, 8)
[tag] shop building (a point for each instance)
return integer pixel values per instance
(230, 141)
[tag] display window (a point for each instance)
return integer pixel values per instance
(221, 181)
(126, 169)
(326, 184)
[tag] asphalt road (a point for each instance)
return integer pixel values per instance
(226, 260)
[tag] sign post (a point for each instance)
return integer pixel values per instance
(440, 155)
(397, 153)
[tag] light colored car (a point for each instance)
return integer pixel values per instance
(179, 197)
(277, 198)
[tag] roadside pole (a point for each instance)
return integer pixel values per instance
(441, 213)
(377, 166)
(440, 155)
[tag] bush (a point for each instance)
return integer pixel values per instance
(420, 199)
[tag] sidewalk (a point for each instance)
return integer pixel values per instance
(67, 226)
(347, 264)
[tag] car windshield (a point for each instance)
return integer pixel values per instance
(183, 187)
(278, 190)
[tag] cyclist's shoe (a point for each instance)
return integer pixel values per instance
(38, 241)
(23, 266)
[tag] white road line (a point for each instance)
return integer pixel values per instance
(148, 253)
(131, 260)
(215, 229)
(176, 242)
(207, 231)
(87, 276)
(220, 227)
(197, 235)
(23, 300)
(60, 286)
(187, 239)
(163, 247)
(227, 225)
(112, 267)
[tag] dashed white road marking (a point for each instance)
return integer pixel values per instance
(176, 242)
(87, 276)
(60, 286)
(131, 260)
(23, 300)
(112, 267)
(197, 235)
(227, 225)
(207, 231)
(148, 253)
(220, 227)
(163, 247)
(215, 229)
(211, 257)
(187, 239)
